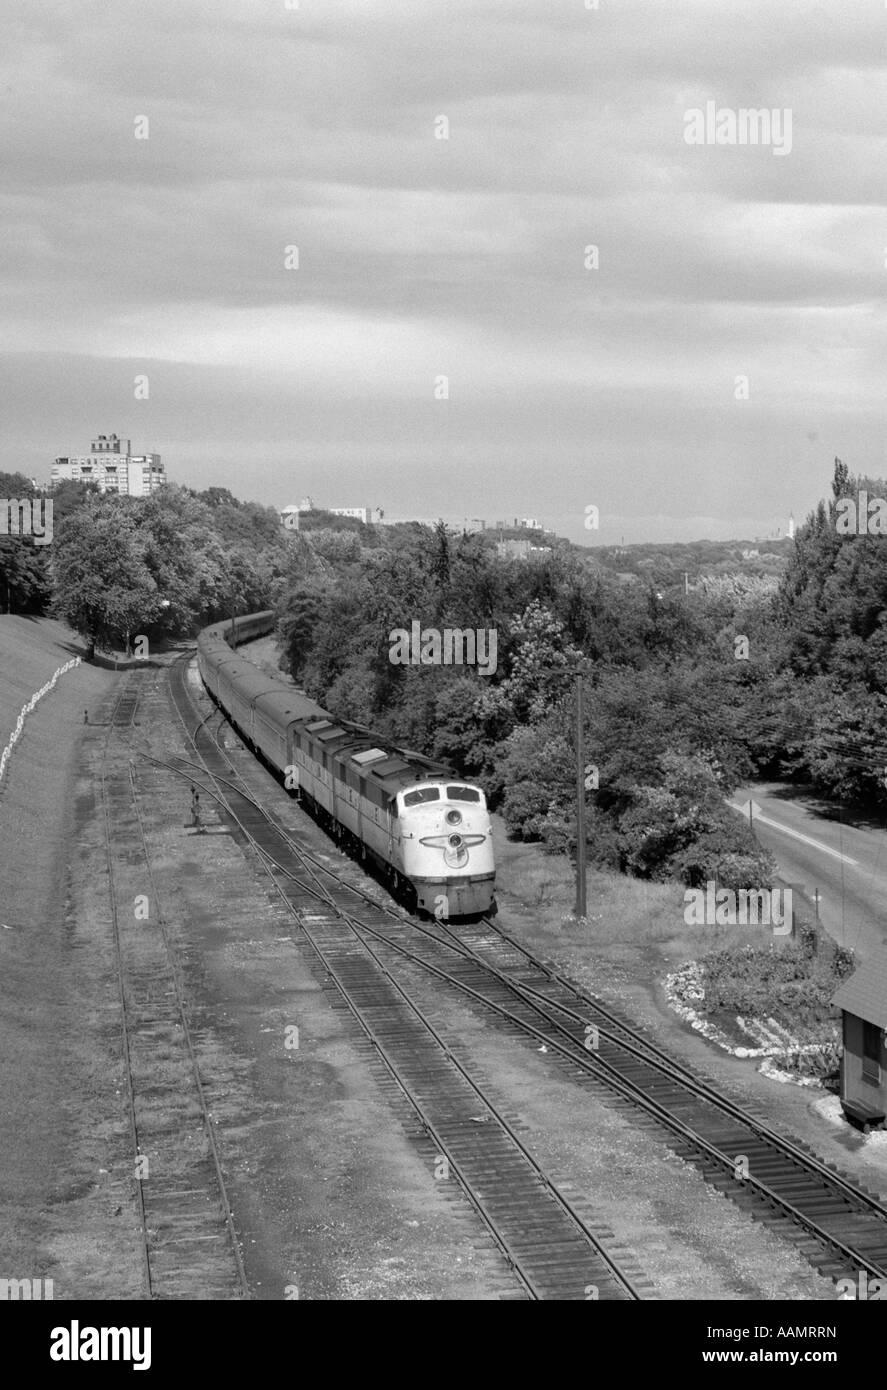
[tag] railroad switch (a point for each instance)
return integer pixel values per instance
(196, 823)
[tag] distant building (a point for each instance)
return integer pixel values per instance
(791, 526)
(521, 550)
(289, 517)
(368, 515)
(517, 523)
(110, 464)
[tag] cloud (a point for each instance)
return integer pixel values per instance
(316, 128)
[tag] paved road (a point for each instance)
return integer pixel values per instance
(846, 861)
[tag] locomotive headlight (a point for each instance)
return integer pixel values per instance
(455, 841)
(454, 817)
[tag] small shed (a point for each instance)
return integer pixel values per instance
(863, 1001)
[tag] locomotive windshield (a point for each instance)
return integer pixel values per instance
(421, 794)
(462, 794)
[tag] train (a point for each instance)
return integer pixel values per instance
(425, 829)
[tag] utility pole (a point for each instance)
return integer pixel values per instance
(686, 582)
(235, 596)
(580, 802)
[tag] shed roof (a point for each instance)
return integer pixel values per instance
(865, 992)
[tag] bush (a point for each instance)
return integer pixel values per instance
(681, 829)
(723, 857)
(793, 984)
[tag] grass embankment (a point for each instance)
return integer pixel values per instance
(30, 651)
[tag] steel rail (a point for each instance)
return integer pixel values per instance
(578, 1054)
(208, 1125)
(124, 1016)
(620, 1277)
(632, 1043)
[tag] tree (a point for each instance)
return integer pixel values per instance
(24, 578)
(185, 557)
(24, 570)
(536, 767)
(841, 480)
(103, 587)
(297, 629)
(465, 730)
(335, 546)
(440, 564)
(542, 657)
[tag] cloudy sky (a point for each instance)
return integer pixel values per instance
(420, 257)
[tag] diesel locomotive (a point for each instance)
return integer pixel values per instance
(425, 828)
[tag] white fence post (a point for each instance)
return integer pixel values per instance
(29, 709)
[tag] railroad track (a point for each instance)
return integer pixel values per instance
(839, 1226)
(554, 1245)
(188, 1241)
